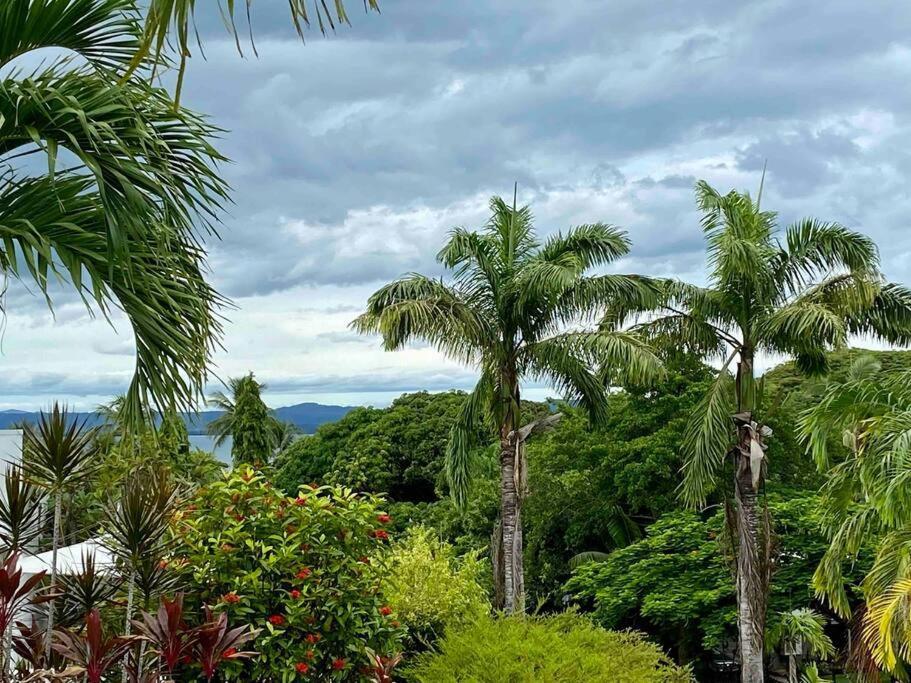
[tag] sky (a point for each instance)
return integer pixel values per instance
(353, 155)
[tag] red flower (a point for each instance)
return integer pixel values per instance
(395, 624)
(231, 598)
(302, 667)
(313, 638)
(339, 664)
(304, 573)
(295, 594)
(276, 620)
(162, 564)
(300, 501)
(230, 652)
(381, 534)
(310, 654)
(384, 518)
(363, 559)
(226, 547)
(239, 518)
(385, 610)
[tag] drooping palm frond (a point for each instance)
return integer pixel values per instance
(463, 438)
(709, 435)
(171, 22)
(887, 628)
(104, 32)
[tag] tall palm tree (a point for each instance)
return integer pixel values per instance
(859, 433)
(795, 294)
(130, 187)
(513, 312)
(59, 454)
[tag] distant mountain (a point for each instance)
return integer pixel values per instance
(307, 416)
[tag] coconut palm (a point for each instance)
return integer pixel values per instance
(513, 311)
(59, 454)
(129, 190)
(796, 294)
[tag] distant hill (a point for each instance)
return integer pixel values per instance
(307, 416)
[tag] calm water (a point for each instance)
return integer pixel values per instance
(205, 442)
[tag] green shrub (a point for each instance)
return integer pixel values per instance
(304, 570)
(430, 588)
(566, 648)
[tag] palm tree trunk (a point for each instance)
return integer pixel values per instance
(510, 514)
(751, 556)
(55, 546)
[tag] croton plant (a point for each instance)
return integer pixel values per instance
(302, 569)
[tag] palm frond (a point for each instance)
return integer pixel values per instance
(709, 435)
(104, 32)
(463, 438)
(815, 247)
(418, 307)
(171, 22)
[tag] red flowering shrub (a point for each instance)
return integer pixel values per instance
(293, 567)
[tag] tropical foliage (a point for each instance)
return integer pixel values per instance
(563, 649)
(302, 569)
(430, 588)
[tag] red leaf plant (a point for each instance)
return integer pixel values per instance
(381, 667)
(91, 650)
(167, 633)
(215, 643)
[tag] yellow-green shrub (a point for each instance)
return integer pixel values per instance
(565, 648)
(430, 588)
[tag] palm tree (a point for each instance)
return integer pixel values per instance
(130, 187)
(59, 454)
(256, 432)
(513, 312)
(858, 433)
(796, 294)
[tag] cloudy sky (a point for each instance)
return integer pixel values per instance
(353, 155)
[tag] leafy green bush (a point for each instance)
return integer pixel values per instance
(566, 648)
(301, 569)
(431, 589)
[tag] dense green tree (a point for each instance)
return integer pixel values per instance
(509, 313)
(397, 450)
(796, 294)
(252, 430)
(675, 583)
(593, 489)
(129, 191)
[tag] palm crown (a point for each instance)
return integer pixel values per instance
(512, 311)
(796, 294)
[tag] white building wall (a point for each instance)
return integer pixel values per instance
(10, 446)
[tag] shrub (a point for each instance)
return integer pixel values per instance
(430, 588)
(297, 568)
(563, 648)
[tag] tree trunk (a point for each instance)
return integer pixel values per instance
(752, 538)
(128, 627)
(510, 517)
(55, 546)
